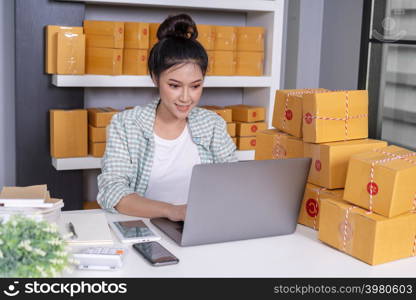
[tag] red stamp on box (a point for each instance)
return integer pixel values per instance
(312, 207)
(372, 188)
(289, 114)
(254, 114)
(120, 30)
(144, 31)
(318, 165)
(254, 128)
(118, 57)
(253, 143)
(308, 118)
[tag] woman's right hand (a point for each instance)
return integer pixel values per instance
(177, 212)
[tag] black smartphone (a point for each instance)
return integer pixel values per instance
(155, 253)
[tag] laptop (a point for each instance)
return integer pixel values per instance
(240, 200)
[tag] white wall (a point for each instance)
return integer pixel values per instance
(7, 131)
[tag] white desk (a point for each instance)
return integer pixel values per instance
(297, 255)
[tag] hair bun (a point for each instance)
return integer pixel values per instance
(181, 26)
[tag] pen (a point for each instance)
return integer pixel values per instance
(72, 229)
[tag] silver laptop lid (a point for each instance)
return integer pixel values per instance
(244, 200)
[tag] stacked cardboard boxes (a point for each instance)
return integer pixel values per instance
(136, 48)
(226, 114)
(98, 120)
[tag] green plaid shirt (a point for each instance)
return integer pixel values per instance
(128, 158)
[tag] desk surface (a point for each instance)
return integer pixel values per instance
(297, 255)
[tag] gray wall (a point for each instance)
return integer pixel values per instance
(7, 128)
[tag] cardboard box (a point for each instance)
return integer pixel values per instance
(287, 114)
(135, 62)
(51, 47)
(335, 116)
(225, 113)
(249, 129)
(136, 35)
(97, 134)
(371, 238)
(225, 38)
(250, 39)
(68, 133)
(246, 143)
(70, 54)
(247, 113)
(153, 27)
(96, 149)
(383, 181)
(250, 64)
(330, 160)
(101, 116)
(224, 63)
(274, 144)
(206, 36)
(104, 61)
(311, 203)
(104, 34)
(231, 129)
(211, 60)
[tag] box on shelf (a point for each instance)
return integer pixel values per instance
(383, 181)
(249, 63)
(330, 160)
(246, 143)
(136, 35)
(225, 113)
(250, 39)
(70, 54)
(311, 203)
(104, 34)
(206, 36)
(231, 129)
(211, 60)
(287, 114)
(100, 116)
(371, 238)
(104, 61)
(247, 113)
(335, 116)
(274, 144)
(135, 62)
(153, 27)
(96, 149)
(224, 63)
(68, 133)
(249, 128)
(225, 38)
(51, 47)
(97, 134)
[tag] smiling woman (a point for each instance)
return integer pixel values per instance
(151, 150)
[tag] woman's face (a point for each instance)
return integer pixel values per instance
(180, 89)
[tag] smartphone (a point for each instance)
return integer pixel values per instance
(155, 253)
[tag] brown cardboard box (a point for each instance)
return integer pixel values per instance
(287, 114)
(274, 144)
(68, 133)
(135, 62)
(335, 116)
(101, 116)
(247, 113)
(246, 143)
(249, 128)
(311, 203)
(225, 113)
(231, 129)
(70, 53)
(153, 27)
(211, 60)
(104, 61)
(383, 181)
(206, 36)
(250, 39)
(96, 149)
(136, 35)
(225, 38)
(249, 63)
(330, 160)
(97, 134)
(51, 34)
(371, 238)
(104, 34)
(224, 63)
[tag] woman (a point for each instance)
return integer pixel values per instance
(150, 152)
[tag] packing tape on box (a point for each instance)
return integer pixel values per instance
(278, 151)
(312, 207)
(372, 187)
(347, 230)
(71, 60)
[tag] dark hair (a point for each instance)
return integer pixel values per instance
(177, 45)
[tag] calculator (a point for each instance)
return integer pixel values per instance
(100, 258)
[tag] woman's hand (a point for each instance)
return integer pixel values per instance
(177, 212)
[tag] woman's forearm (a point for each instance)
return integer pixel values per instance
(138, 206)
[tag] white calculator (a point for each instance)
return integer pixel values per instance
(100, 258)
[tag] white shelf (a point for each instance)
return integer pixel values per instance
(230, 5)
(145, 81)
(89, 162)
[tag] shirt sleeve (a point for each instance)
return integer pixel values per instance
(114, 180)
(222, 146)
